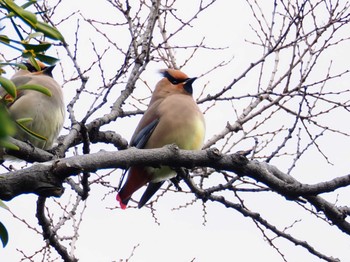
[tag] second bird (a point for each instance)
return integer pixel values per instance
(46, 112)
(172, 117)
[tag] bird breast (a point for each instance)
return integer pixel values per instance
(181, 123)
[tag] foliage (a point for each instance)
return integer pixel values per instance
(32, 52)
(3, 231)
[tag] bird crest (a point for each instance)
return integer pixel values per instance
(174, 76)
(179, 79)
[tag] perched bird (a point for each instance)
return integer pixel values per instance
(47, 112)
(172, 117)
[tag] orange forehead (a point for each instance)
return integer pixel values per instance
(177, 74)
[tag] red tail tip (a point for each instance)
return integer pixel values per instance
(122, 205)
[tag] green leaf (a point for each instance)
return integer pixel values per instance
(2, 204)
(4, 39)
(22, 66)
(4, 236)
(24, 120)
(29, 3)
(39, 88)
(49, 31)
(6, 144)
(30, 132)
(34, 35)
(27, 54)
(34, 62)
(9, 86)
(19, 65)
(42, 47)
(47, 59)
(26, 16)
(7, 126)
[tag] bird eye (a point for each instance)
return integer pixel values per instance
(174, 81)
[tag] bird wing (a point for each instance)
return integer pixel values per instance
(140, 138)
(139, 141)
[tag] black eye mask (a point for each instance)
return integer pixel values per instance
(30, 67)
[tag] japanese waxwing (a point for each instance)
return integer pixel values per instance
(47, 112)
(172, 117)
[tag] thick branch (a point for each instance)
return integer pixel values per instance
(46, 179)
(29, 152)
(56, 171)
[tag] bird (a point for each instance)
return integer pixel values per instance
(172, 117)
(47, 113)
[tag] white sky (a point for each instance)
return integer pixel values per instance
(110, 235)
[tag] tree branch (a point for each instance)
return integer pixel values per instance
(45, 179)
(49, 233)
(54, 172)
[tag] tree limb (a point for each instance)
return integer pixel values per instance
(57, 170)
(45, 179)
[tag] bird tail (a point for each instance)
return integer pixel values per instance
(137, 178)
(151, 189)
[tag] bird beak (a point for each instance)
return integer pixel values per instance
(188, 85)
(48, 70)
(190, 80)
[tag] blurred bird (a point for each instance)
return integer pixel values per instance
(172, 117)
(47, 112)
